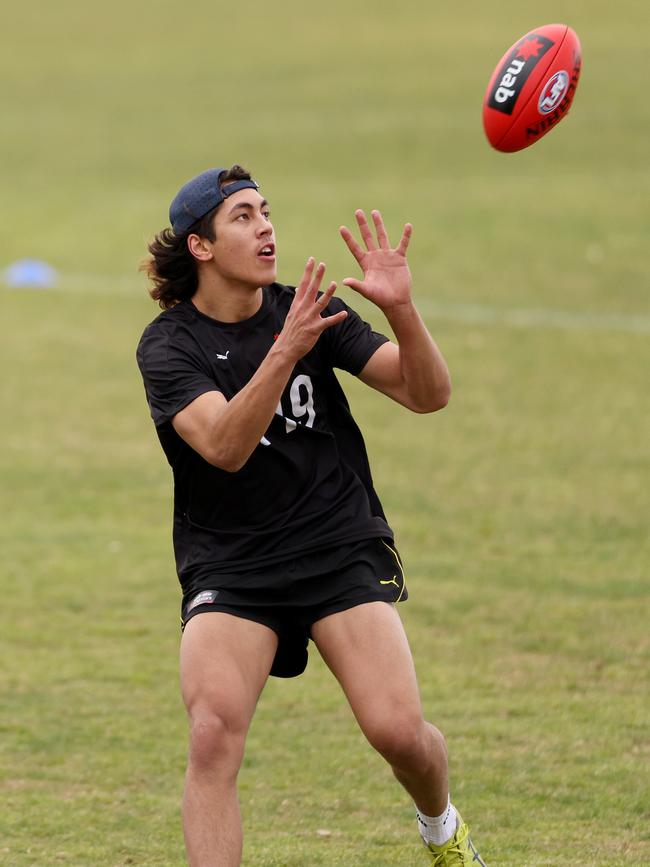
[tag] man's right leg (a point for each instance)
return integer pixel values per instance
(225, 661)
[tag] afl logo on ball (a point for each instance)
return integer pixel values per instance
(554, 92)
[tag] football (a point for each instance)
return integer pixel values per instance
(532, 87)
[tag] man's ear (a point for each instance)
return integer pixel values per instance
(198, 248)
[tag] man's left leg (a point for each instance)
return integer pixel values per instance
(366, 649)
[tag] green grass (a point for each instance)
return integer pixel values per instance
(521, 510)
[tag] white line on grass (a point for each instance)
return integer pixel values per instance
(471, 314)
(567, 320)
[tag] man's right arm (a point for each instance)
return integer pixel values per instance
(225, 433)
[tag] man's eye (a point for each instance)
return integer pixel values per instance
(242, 217)
(266, 215)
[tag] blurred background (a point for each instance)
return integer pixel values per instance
(521, 511)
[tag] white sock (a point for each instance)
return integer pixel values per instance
(438, 829)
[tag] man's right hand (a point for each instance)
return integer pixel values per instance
(305, 323)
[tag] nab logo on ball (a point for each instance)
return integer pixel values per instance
(532, 87)
(514, 73)
(554, 92)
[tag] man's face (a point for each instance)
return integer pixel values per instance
(244, 249)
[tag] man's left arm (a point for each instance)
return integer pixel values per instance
(412, 371)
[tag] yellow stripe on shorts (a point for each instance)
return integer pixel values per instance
(399, 566)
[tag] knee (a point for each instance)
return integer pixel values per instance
(215, 742)
(407, 742)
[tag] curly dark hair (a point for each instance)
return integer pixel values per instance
(171, 267)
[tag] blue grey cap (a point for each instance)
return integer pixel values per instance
(199, 196)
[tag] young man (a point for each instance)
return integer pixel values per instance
(279, 536)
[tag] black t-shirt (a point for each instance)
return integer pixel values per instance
(307, 485)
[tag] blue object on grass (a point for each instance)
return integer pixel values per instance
(31, 272)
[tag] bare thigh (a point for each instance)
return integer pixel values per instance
(224, 664)
(367, 650)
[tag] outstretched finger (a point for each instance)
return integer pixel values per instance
(352, 244)
(404, 241)
(324, 298)
(364, 228)
(382, 237)
(306, 277)
(314, 286)
(329, 321)
(353, 283)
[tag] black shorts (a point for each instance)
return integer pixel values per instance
(291, 596)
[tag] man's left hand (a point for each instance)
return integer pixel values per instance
(386, 276)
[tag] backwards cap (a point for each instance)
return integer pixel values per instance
(199, 196)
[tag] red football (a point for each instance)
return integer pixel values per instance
(532, 88)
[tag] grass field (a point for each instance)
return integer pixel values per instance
(521, 511)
